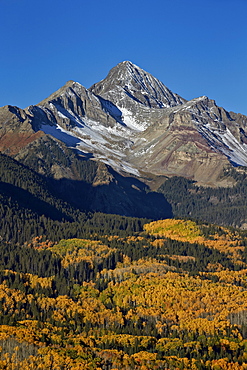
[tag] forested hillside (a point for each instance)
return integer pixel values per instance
(86, 290)
(30, 206)
(224, 206)
(173, 296)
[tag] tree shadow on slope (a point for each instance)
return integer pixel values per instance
(125, 196)
(24, 199)
(98, 189)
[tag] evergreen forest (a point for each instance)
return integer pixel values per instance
(220, 205)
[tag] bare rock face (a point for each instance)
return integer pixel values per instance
(176, 146)
(138, 95)
(127, 80)
(70, 106)
(16, 130)
(103, 176)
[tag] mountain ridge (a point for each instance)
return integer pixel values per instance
(134, 126)
(125, 119)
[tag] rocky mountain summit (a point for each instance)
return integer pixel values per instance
(127, 84)
(131, 122)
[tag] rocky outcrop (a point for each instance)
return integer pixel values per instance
(69, 107)
(16, 130)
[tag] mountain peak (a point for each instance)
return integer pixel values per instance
(71, 88)
(128, 80)
(127, 63)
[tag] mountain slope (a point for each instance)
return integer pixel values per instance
(178, 144)
(75, 116)
(135, 132)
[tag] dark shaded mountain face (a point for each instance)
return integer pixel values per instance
(133, 133)
(98, 189)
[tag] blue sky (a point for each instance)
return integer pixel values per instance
(195, 48)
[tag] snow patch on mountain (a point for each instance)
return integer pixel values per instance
(131, 122)
(237, 152)
(225, 142)
(107, 144)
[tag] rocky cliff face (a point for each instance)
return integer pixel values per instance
(136, 93)
(16, 130)
(127, 80)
